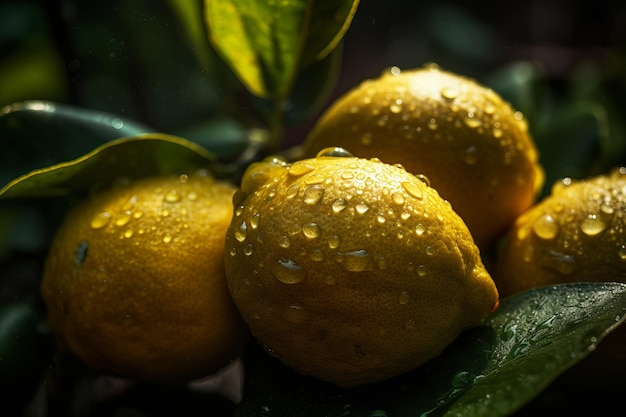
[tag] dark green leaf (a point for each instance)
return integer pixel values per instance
(147, 154)
(490, 370)
(36, 134)
(267, 42)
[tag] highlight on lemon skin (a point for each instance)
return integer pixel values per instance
(134, 282)
(472, 145)
(351, 270)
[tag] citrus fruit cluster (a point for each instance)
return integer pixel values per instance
(356, 262)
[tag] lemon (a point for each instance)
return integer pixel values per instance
(135, 284)
(351, 270)
(472, 145)
(575, 234)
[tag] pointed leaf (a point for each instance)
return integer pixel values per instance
(490, 370)
(36, 134)
(148, 154)
(267, 42)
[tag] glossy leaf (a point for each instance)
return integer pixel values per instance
(491, 370)
(266, 43)
(36, 134)
(148, 154)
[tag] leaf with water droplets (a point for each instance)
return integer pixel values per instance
(267, 42)
(148, 154)
(489, 371)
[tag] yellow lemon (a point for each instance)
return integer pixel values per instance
(349, 269)
(472, 145)
(575, 234)
(135, 282)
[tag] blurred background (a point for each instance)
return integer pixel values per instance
(562, 63)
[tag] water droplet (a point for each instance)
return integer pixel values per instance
(423, 178)
(420, 229)
(422, 270)
(432, 124)
(183, 178)
(546, 227)
(241, 232)
(560, 262)
(292, 191)
(317, 255)
(311, 230)
(592, 225)
(167, 238)
(334, 242)
(471, 121)
(413, 190)
(621, 252)
(284, 242)
(122, 218)
(247, 250)
(356, 261)
(254, 221)
(165, 213)
(128, 233)
(288, 272)
(449, 93)
(100, 220)
(397, 198)
(172, 196)
(137, 215)
(334, 151)
(396, 107)
(313, 194)
(430, 250)
(347, 175)
(470, 155)
(339, 205)
(362, 208)
(405, 297)
(497, 132)
(380, 218)
(296, 313)
(299, 169)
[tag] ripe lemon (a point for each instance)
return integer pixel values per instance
(351, 270)
(472, 145)
(575, 234)
(135, 282)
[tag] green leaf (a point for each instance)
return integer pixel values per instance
(36, 134)
(148, 154)
(266, 43)
(490, 370)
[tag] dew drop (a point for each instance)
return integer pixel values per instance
(404, 298)
(347, 175)
(137, 215)
(339, 205)
(621, 252)
(183, 178)
(420, 229)
(423, 178)
(562, 263)
(432, 124)
(292, 191)
(128, 233)
(311, 230)
(284, 242)
(334, 151)
(100, 220)
(299, 169)
(380, 218)
(356, 261)
(545, 227)
(592, 225)
(313, 194)
(165, 213)
(167, 238)
(471, 121)
(288, 272)
(413, 190)
(362, 208)
(449, 93)
(296, 313)
(397, 198)
(241, 232)
(334, 242)
(317, 255)
(247, 250)
(254, 221)
(422, 270)
(172, 196)
(396, 107)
